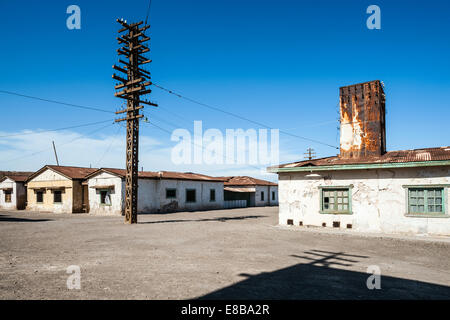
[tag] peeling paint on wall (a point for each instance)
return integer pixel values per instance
(378, 200)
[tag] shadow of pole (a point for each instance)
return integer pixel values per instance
(317, 280)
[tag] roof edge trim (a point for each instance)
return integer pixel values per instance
(363, 166)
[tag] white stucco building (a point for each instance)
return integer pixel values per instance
(13, 193)
(58, 189)
(365, 188)
(158, 192)
(255, 192)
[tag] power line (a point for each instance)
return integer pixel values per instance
(172, 124)
(109, 147)
(200, 146)
(56, 102)
(73, 140)
(52, 130)
(240, 117)
(148, 11)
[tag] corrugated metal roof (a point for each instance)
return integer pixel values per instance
(72, 172)
(18, 176)
(400, 156)
(247, 181)
(162, 175)
(242, 189)
(69, 172)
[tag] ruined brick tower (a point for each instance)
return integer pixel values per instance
(362, 109)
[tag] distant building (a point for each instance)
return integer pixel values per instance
(58, 189)
(366, 188)
(158, 192)
(13, 193)
(243, 191)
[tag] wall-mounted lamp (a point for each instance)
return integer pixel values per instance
(313, 175)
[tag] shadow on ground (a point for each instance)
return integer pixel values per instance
(320, 280)
(6, 218)
(220, 219)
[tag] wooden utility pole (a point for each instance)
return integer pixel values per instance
(310, 154)
(133, 84)
(56, 155)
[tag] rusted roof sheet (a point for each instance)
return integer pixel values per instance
(18, 176)
(163, 175)
(400, 156)
(72, 172)
(247, 181)
(237, 189)
(69, 172)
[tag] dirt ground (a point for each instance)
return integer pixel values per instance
(222, 254)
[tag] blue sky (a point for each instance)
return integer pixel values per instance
(277, 62)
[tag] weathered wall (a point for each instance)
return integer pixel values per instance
(202, 195)
(77, 196)
(8, 183)
(258, 200)
(152, 195)
(148, 201)
(379, 199)
(21, 195)
(272, 201)
(48, 180)
(116, 194)
(267, 196)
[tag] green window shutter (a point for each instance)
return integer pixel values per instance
(425, 200)
(335, 200)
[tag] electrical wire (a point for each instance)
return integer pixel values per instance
(52, 130)
(148, 12)
(56, 102)
(240, 117)
(109, 147)
(51, 148)
(200, 146)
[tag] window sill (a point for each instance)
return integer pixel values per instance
(105, 205)
(335, 212)
(427, 215)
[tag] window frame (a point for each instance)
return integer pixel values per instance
(425, 214)
(37, 197)
(9, 193)
(195, 195)
(171, 189)
(54, 194)
(348, 188)
(211, 192)
(108, 192)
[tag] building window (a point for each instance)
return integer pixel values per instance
(7, 195)
(262, 195)
(190, 195)
(273, 195)
(171, 193)
(105, 197)
(57, 196)
(425, 200)
(212, 195)
(39, 196)
(335, 200)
